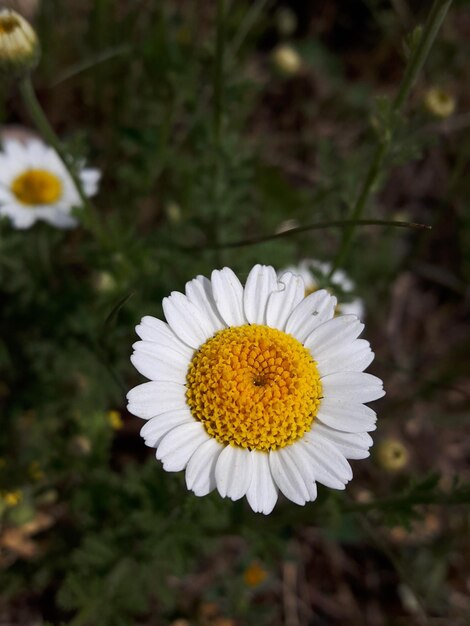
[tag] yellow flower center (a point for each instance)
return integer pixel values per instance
(254, 387)
(36, 186)
(8, 24)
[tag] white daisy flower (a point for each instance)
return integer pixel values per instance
(255, 390)
(35, 185)
(311, 270)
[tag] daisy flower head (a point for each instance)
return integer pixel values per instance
(313, 271)
(35, 185)
(255, 389)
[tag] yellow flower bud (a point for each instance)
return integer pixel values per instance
(115, 420)
(173, 210)
(439, 102)
(19, 45)
(104, 282)
(254, 575)
(287, 60)
(392, 455)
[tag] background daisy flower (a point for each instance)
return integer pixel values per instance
(255, 389)
(35, 185)
(312, 271)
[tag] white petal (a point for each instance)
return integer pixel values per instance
(157, 427)
(313, 311)
(154, 398)
(355, 307)
(356, 387)
(20, 218)
(333, 335)
(159, 362)
(90, 178)
(262, 492)
(261, 282)
(186, 320)
(200, 471)
(289, 292)
(348, 416)
(177, 447)
(329, 466)
(153, 329)
(353, 357)
(199, 292)
(303, 464)
(59, 218)
(351, 445)
(5, 194)
(288, 477)
(228, 296)
(233, 472)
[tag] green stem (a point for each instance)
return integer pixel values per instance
(46, 130)
(417, 59)
(317, 226)
(218, 69)
(217, 123)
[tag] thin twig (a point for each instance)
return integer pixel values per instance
(317, 226)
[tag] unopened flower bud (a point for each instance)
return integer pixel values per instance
(19, 45)
(114, 420)
(80, 445)
(392, 455)
(254, 575)
(286, 21)
(439, 102)
(287, 60)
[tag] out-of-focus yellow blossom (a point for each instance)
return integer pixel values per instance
(11, 498)
(35, 471)
(254, 574)
(173, 211)
(392, 455)
(439, 102)
(287, 60)
(115, 420)
(19, 45)
(104, 282)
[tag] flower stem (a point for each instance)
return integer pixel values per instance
(217, 125)
(418, 57)
(46, 130)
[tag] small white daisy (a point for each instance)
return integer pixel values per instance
(255, 389)
(312, 270)
(35, 185)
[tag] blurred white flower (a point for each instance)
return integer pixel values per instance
(255, 389)
(312, 271)
(35, 185)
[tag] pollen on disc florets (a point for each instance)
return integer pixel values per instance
(254, 387)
